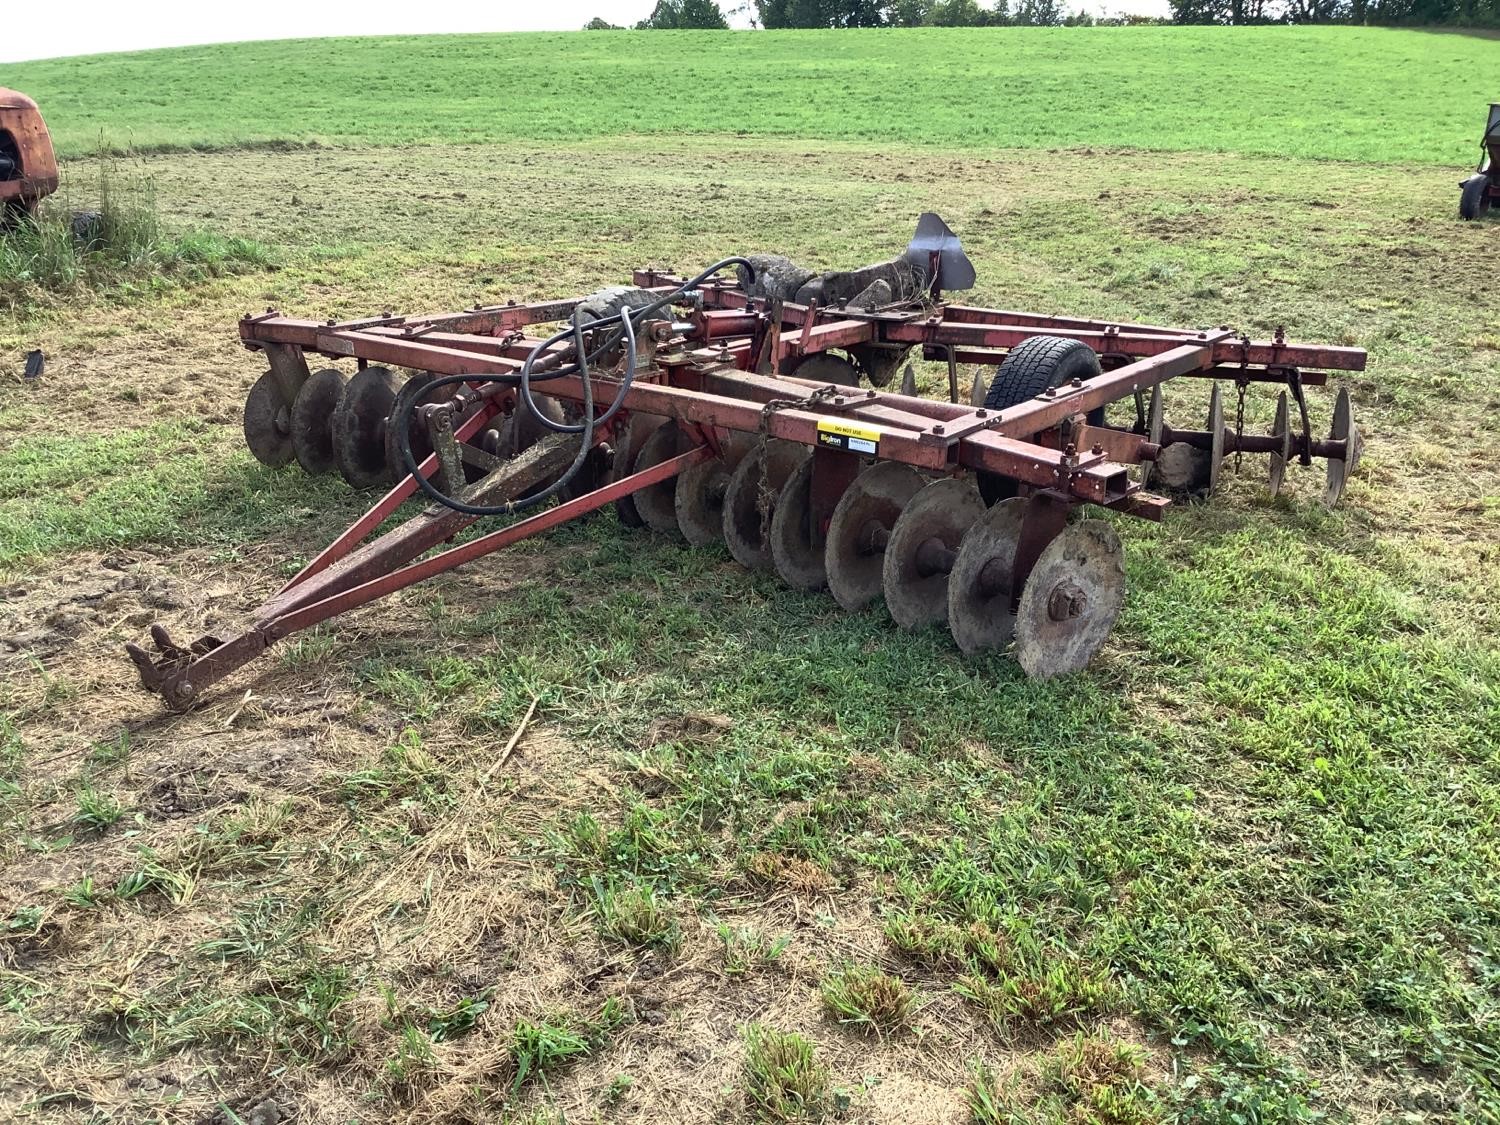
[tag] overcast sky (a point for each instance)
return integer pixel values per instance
(30, 29)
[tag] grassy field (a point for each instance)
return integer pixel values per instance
(1327, 93)
(755, 858)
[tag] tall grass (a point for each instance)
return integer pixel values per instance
(118, 241)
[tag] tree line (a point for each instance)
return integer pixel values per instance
(673, 14)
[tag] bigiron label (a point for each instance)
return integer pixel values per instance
(851, 439)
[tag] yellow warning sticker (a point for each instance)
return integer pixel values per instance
(850, 438)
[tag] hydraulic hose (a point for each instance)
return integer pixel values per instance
(405, 404)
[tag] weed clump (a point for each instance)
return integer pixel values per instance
(865, 997)
(636, 915)
(783, 1079)
(747, 949)
(1004, 968)
(96, 811)
(1090, 1077)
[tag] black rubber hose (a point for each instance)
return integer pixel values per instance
(405, 403)
(510, 507)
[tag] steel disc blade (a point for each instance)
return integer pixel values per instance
(1343, 429)
(268, 423)
(657, 504)
(1216, 436)
(1344, 422)
(747, 510)
(592, 474)
(421, 447)
(528, 429)
(979, 586)
(980, 388)
(637, 428)
(359, 426)
(869, 508)
(1071, 600)
(312, 420)
(1281, 430)
(797, 544)
(909, 382)
(517, 432)
(1155, 422)
(938, 516)
(699, 497)
(822, 367)
(1155, 416)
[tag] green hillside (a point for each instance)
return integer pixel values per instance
(1327, 93)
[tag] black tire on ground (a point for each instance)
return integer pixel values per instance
(1475, 200)
(1031, 367)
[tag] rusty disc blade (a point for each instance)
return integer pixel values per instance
(1281, 430)
(797, 545)
(1340, 468)
(1216, 437)
(420, 446)
(268, 423)
(657, 504)
(631, 436)
(932, 524)
(823, 367)
(592, 474)
(1155, 422)
(312, 420)
(747, 510)
(979, 586)
(854, 554)
(699, 497)
(980, 388)
(1071, 600)
(519, 431)
(359, 426)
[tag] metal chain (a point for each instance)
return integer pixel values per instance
(765, 495)
(1239, 421)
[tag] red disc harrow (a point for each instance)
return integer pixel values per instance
(750, 408)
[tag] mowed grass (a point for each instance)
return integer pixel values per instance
(755, 858)
(1335, 93)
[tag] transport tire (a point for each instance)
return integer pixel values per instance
(1031, 367)
(1038, 363)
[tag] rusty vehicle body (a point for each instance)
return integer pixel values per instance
(28, 166)
(1481, 191)
(730, 410)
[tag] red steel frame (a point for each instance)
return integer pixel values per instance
(714, 372)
